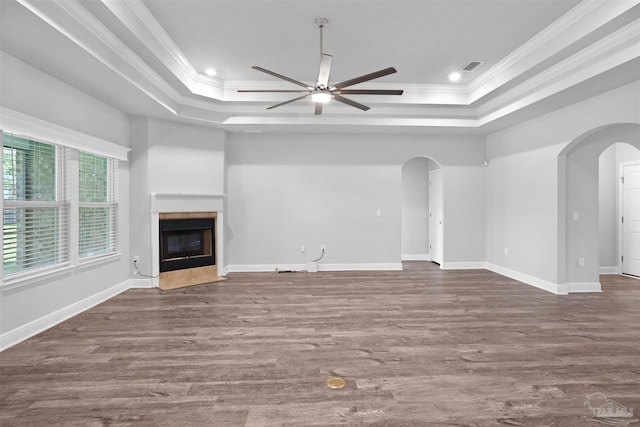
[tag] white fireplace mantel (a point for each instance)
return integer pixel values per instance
(185, 202)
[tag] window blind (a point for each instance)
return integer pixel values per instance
(35, 204)
(98, 204)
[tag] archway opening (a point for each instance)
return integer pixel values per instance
(579, 205)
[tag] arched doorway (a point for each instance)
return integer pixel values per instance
(578, 205)
(417, 201)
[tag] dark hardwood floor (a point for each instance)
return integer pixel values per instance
(422, 347)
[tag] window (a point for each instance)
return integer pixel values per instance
(35, 205)
(98, 205)
(60, 206)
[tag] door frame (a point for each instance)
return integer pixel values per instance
(431, 218)
(422, 255)
(620, 212)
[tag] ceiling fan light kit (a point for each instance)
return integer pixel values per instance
(322, 92)
(323, 96)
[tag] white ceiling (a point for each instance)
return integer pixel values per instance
(149, 56)
(424, 40)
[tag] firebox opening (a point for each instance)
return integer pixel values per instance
(186, 243)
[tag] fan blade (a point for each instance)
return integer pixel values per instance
(286, 102)
(370, 92)
(325, 69)
(280, 76)
(319, 108)
(350, 102)
(366, 77)
(272, 90)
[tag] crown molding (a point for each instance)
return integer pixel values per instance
(72, 20)
(363, 121)
(139, 20)
(575, 24)
(220, 104)
(583, 19)
(610, 52)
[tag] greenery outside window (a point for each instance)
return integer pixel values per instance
(35, 205)
(98, 206)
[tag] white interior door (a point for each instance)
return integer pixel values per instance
(436, 217)
(631, 220)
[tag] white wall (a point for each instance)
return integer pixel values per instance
(523, 181)
(185, 158)
(464, 216)
(139, 193)
(32, 92)
(170, 157)
(288, 190)
(522, 211)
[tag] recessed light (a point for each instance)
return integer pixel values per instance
(455, 76)
(210, 72)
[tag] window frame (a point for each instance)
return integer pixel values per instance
(111, 203)
(67, 198)
(61, 204)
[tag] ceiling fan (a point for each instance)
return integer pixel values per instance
(322, 92)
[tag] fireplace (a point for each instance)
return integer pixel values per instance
(186, 243)
(187, 249)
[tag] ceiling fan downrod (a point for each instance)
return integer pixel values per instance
(321, 22)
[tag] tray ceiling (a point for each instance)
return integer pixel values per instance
(149, 57)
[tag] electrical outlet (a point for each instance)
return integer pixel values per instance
(323, 247)
(136, 259)
(303, 249)
(580, 262)
(506, 251)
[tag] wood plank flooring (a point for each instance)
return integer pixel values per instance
(422, 347)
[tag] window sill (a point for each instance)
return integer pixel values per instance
(32, 278)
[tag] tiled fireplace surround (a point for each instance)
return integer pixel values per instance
(185, 203)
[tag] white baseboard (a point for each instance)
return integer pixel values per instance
(584, 287)
(416, 257)
(264, 268)
(258, 268)
(21, 333)
(479, 265)
(382, 266)
(141, 283)
(609, 270)
(529, 280)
